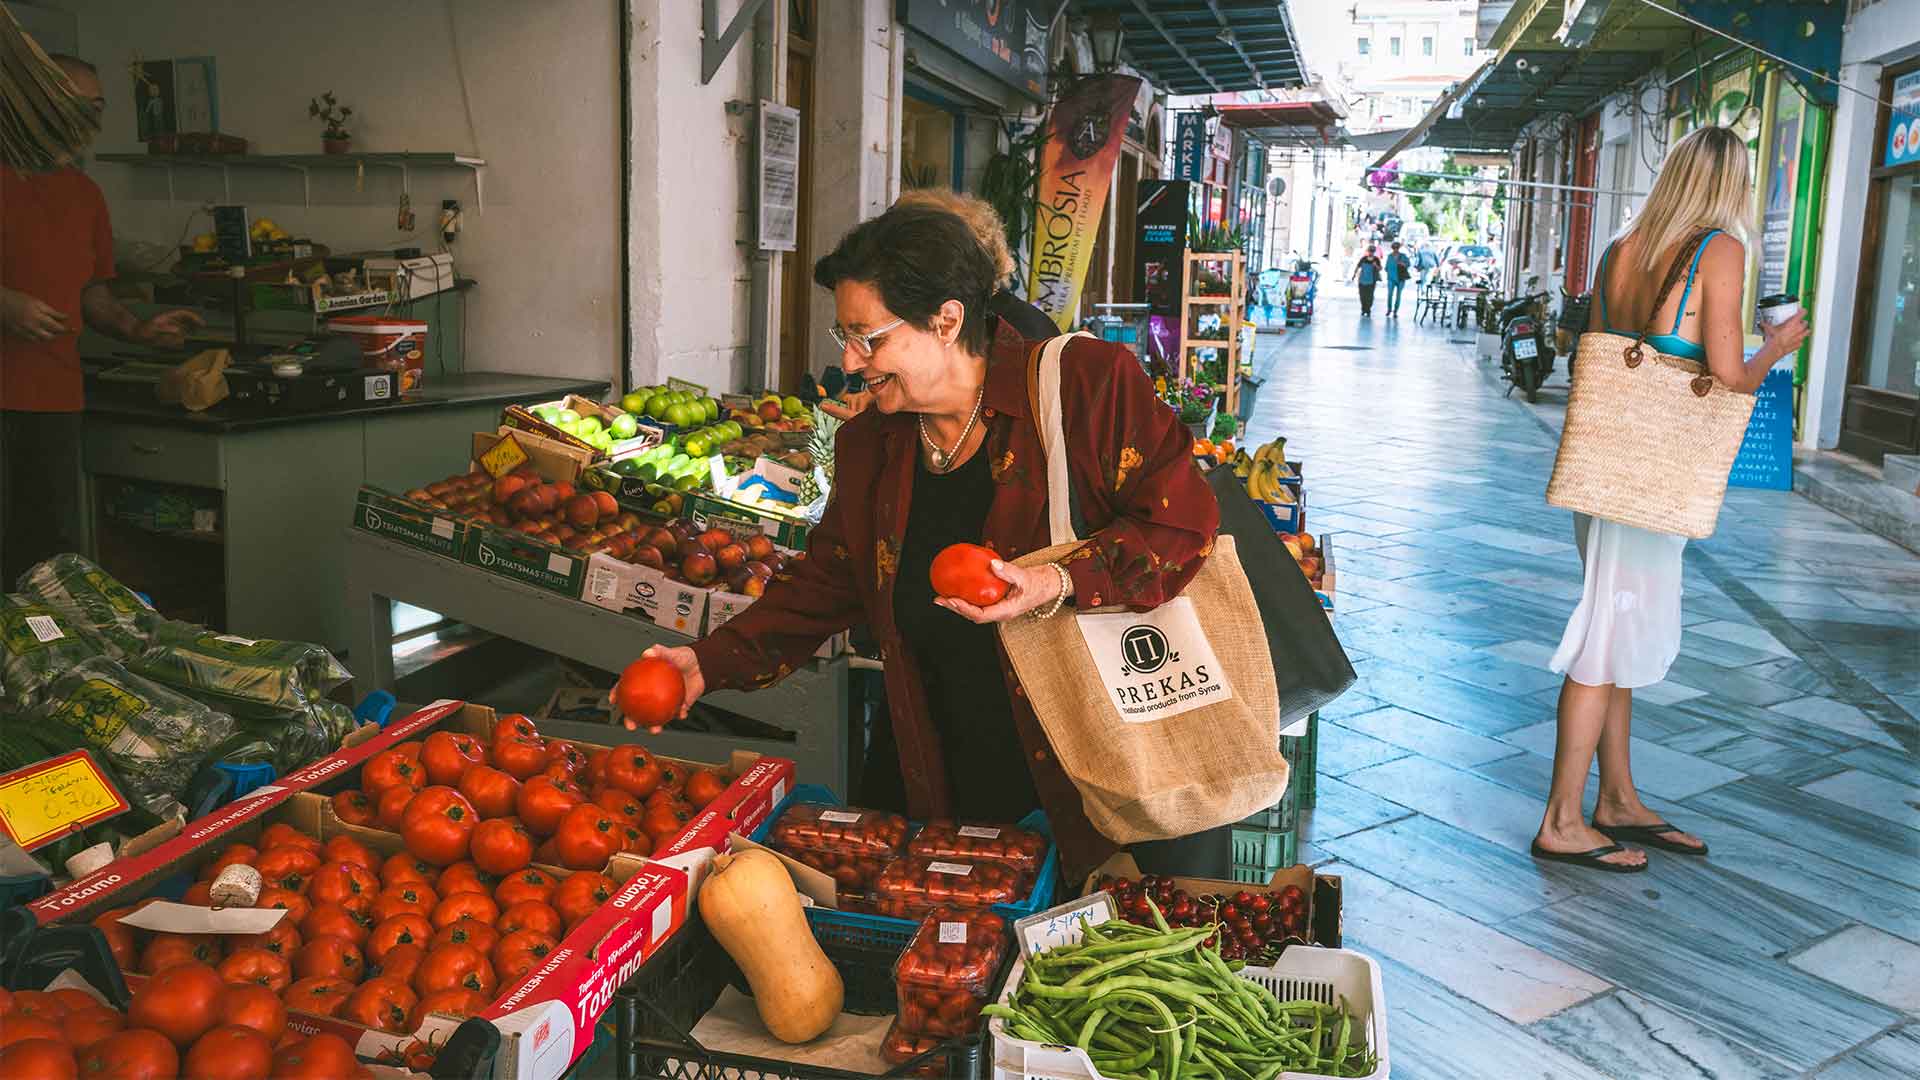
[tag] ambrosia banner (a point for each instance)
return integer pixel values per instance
(1083, 139)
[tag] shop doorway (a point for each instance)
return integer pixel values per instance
(796, 266)
(932, 141)
(1882, 411)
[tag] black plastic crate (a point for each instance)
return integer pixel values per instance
(657, 1008)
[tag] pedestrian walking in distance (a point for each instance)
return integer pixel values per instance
(1367, 273)
(1625, 633)
(1399, 269)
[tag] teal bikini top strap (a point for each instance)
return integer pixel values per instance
(1681, 312)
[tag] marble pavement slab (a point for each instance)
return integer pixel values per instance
(1870, 963)
(1472, 708)
(1477, 962)
(1340, 808)
(1840, 832)
(1342, 749)
(1826, 714)
(1762, 1003)
(1456, 869)
(1428, 737)
(1891, 799)
(1657, 770)
(1624, 1035)
(1893, 1056)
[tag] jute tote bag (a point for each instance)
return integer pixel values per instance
(1167, 721)
(1650, 438)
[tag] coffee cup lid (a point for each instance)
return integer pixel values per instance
(1779, 298)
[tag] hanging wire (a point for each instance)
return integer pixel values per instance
(1743, 43)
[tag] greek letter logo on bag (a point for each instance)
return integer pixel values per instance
(1156, 664)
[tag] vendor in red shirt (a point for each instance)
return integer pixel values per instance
(948, 452)
(56, 255)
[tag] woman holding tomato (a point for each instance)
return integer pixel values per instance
(948, 452)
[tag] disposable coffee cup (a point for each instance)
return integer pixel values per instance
(1778, 308)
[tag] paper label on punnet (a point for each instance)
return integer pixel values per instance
(44, 628)
(1157, 664)
(839, 817)
(443, 528)
(954, 868)
(953, 933)
(980, 832)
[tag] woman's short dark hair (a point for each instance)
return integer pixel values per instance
(918, 258)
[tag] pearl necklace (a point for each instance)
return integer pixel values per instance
(942, 457)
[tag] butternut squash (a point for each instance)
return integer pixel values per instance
(750, 905)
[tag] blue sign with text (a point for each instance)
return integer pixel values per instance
(1766, 455)
(1190, 153)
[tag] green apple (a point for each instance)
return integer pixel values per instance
(793, 406)
(625, 426)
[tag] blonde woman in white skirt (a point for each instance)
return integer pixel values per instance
(1625, 633)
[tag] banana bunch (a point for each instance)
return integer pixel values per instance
(1264, 471)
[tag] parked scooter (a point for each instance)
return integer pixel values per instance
(1526, 349)
(1302, 285)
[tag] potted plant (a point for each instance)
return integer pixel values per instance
(334, 136)
(1195, 402)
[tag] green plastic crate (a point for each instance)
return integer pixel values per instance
(1281, 815)
(1257, 853)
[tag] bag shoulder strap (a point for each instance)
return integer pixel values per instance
(1681, 259)
(1043, 396)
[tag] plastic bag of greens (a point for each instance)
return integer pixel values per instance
(38, 642)
(154, 739)
(254, 679)
(91, 596)
(289, 741)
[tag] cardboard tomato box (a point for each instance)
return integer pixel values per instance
(546, 1019)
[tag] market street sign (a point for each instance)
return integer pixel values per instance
(997, 36)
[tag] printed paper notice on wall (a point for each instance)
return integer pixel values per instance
(42, 803)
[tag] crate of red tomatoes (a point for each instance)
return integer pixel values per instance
(457, 865)
(889, 872)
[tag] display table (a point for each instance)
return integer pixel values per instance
(812, 702)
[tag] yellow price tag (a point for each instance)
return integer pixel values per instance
(41, 803)
(506, 456)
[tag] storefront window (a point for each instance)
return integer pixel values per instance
(1893, 342)
(926, 145)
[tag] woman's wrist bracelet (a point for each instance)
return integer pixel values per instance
(1060, 599)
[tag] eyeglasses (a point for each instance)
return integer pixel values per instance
(862, 343)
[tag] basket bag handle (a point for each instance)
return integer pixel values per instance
(1043, 394)
(1636, 354)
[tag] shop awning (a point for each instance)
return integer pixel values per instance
(1287, 123)
(1206, 46)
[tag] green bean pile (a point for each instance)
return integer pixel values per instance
(1160, 1005)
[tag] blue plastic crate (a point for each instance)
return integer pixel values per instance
(858, 927)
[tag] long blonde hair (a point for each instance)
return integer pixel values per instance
(1705, 183)
(981, 218)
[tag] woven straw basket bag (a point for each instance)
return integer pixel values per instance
(1649, 438)
(1166, 721)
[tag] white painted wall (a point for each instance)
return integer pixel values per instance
(532, 88)
(858, 72)
(691, 156)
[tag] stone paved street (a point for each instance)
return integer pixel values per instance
(1785, 737)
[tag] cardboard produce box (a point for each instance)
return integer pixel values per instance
(546, 1019)
(518, 557)
(1318, 891)
(646, 593)
(392, 517)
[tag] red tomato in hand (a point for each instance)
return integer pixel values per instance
(501, 846)
(182, 1003)
(491, 791)
(965, 572)
(650, 693)
(588, 836)
(448, 755)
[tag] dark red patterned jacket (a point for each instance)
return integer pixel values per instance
(1132, 470)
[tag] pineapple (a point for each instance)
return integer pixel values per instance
(820, 480)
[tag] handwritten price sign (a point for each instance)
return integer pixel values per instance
(41, 803)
